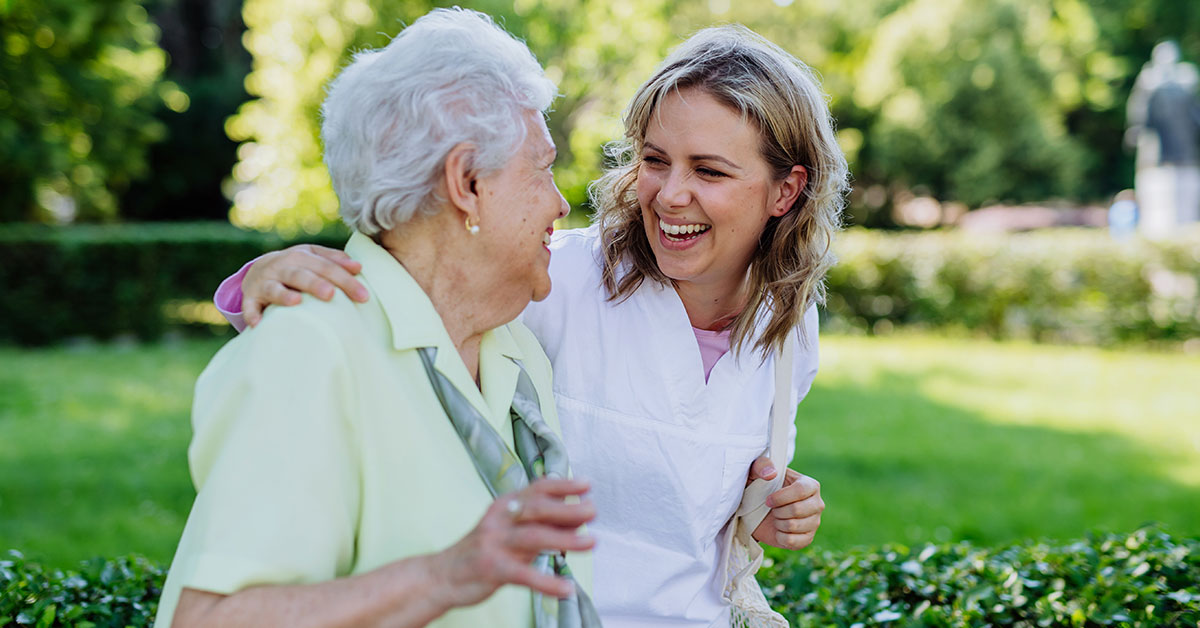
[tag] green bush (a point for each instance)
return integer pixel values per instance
(1061, 285)
(105, 280)
(1144, 579)
(120, 592)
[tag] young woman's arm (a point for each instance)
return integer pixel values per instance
(280, 277)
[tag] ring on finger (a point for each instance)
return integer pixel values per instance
(513, 507)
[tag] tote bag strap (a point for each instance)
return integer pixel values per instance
(783, 413)
(754, 499)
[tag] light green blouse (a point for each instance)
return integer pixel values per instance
(320, 450)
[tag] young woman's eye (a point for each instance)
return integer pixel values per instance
(652, 160)
(709, 172)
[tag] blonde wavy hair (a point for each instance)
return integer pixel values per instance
(780, 95)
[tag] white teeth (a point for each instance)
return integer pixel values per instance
(681, 229)
(546, 239)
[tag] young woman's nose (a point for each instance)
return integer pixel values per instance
(675, 191)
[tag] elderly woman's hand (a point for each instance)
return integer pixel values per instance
(795, 511)
(280, 277)
(515, 529)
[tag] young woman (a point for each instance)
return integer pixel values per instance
(708, 251)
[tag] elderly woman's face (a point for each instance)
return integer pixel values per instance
(520, 204)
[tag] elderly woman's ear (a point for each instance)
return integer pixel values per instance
(460, 177)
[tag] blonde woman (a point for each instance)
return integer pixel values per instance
(708, 250)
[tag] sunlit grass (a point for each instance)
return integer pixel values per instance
(92, 449)
(921, 438)
(914, 438)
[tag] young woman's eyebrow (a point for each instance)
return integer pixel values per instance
(698, 157)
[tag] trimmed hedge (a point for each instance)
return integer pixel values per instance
(119, 592)
(1143, 579)
(105, 280)
(1061, 285)
(1058, 285)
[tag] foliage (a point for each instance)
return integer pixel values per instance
(1004, 100)
(282, 181)
(78, 83)
(974, 101)
(971, 101)
(117, 278)
(1008, 100)
(117, 592)
(1146, 578)
(1060, 285)
(1063, 286)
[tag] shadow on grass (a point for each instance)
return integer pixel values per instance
(898, 467)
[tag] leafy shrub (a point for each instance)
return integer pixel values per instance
(1058, 285)
(1143, 579)
(119, 592)
(104, 280)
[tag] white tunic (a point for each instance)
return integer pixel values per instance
(667, 455)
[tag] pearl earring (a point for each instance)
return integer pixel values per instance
(471, 229)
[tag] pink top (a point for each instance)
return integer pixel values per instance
(228, 299)
(713, 345)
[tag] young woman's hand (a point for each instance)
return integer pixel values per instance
(515, 529)
(795, 511)
(279, 278)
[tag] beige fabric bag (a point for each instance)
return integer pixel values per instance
(742, 555)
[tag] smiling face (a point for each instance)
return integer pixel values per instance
(705, 190)
(519, 205)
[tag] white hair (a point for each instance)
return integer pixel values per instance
(392, 116)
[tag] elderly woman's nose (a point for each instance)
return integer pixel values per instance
(564, 207)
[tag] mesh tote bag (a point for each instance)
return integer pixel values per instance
(741, 556)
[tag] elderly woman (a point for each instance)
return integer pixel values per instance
(354, 462)
(706, 259)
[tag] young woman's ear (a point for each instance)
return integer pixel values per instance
(789, 189)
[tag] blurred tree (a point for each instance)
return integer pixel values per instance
(203, 42)
(78, 83)
(1000, 100)
(597, 51)
(1050, 113)
(971, 100)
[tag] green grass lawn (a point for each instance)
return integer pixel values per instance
(917, 438)
(93, 445)
(914, 438)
